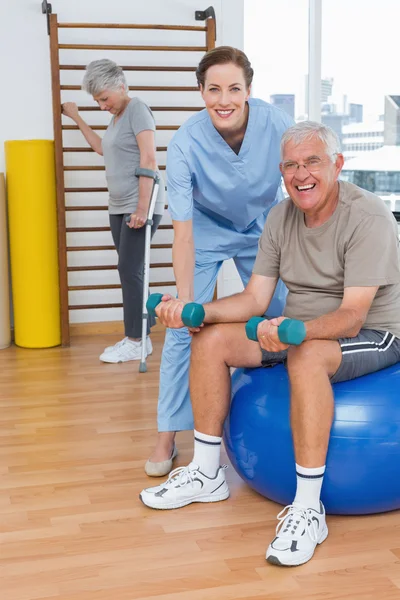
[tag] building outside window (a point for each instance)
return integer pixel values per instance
(361, 103)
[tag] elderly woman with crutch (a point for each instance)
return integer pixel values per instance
(128, 147)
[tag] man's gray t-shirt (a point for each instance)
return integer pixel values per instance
(357, 247)
(122, 157)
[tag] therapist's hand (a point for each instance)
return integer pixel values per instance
(267, 333)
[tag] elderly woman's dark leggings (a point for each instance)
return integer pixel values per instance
(129, 244)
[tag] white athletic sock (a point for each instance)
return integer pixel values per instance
(207, 451)
(309, 483)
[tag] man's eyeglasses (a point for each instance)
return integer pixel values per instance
(312, 165)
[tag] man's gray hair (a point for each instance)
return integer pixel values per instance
(103, 74)
(306, 130)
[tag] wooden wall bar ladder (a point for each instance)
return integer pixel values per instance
(208, 16)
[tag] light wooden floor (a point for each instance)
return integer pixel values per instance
(75, 434)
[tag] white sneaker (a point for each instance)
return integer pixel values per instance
(125, 350)
(116, 346)
(297, 534)
(186, 485)
(122, 342)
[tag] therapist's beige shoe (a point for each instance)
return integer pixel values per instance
(159, 469)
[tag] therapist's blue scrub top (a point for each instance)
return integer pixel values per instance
(207, 180)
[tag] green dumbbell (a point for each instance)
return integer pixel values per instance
(290, 331)
(192, 313)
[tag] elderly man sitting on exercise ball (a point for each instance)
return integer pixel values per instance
(336, 248)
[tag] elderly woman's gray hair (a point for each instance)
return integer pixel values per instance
(306, 130)
(103, 74)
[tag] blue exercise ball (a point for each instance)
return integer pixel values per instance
(363, 463)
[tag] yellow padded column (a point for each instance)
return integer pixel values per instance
(31, 191)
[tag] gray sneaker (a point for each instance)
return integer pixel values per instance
(186, 485)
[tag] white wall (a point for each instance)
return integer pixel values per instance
(26, 110)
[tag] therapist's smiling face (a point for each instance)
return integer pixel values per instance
(225, 94)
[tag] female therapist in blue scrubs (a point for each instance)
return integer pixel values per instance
(222, 179)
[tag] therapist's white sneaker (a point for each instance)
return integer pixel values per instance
(186, 485)
(298, 533)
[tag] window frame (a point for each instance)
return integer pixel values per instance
(315, 65)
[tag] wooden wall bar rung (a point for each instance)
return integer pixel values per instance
(105, 286)
(92, 306)
(91, 207)
(143, 88)
(160, 246)
(76, 128)
(86, 149)
(113, 267)
(135, 48)
(95, 168)
(82, 189)
(93, 229)
(100, 189)
(132, 68)
(79, 208)
(104, 127)
(87, 168)
(177, 108)
(153, 108)
(77, 149)
(86, 229)
(88, 248)
(76, 288)
(131, 26)
(85, 248)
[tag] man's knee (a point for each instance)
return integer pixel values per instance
(211, 341)
(313, 354)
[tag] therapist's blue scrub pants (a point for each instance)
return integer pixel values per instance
(174, 406)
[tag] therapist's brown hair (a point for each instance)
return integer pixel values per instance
(223, 55)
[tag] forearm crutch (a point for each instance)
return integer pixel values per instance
(140, 172)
